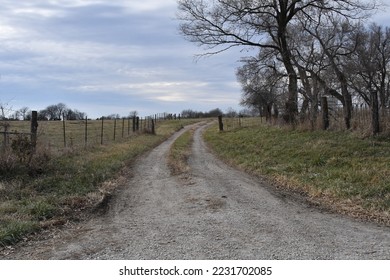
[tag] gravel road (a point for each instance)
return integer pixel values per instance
(213, 212)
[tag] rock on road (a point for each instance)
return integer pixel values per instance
(213, 212)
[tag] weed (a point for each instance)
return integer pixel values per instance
(180, 152)
(13, 231)
(22, 148)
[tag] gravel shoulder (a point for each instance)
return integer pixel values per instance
(212, 212)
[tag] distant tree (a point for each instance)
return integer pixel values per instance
(191, 114)
(55, 112)
(262, 87)
(112, 117)
(231, 113)
(248, 112)
(133, 114)
(74, 114)
(5, 110)
(43, 115)
(214, 113)
(23, 112)
(28, 116)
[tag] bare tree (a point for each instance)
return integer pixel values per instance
(24, 111)
(73, 114)
(56, 112)
(133, 114)
(370, 64)
(336, 36)
(5, 110)
(222, 24)
(261, 86)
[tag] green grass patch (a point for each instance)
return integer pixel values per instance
(336, 167)
(60, 185)
(14, 230)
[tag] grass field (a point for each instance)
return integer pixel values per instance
(76, 134)
(337, 169)
(59, 187)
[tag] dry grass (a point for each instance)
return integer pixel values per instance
(337, 169)
(180, 152)
(62, 185)
(78, 134)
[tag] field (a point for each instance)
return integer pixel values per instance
(332, 168)
(76, 134)
(62, 185)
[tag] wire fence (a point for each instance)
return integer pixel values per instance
(361, 121)
(233, 123)
(78, 133)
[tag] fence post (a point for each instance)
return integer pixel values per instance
(114, 129)
(5, 136)
(153, 128)
(325, 113)
(128, 126)
(123, 127)
(137, 124)
(64, 126)
(102, 131)
(34, 128)
(86, 132)
(220, 123)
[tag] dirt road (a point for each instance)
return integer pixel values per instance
(214, 212)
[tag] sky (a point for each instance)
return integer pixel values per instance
(107, 57)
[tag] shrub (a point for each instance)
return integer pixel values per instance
(22, 148)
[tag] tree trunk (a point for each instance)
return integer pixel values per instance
(220, 122)
(347, 109)
(304, 109)
(268, 112)
(325, 113)
(375, 112)
(292, 99)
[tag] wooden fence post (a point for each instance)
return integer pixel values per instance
(153, 128)
(86, 132)
(34, 128)
(102, 130)
(6, 138)
(137, 124)
(325, 113)
(128, 126)
(134, 123)
(114, 129)
(123, 127)
(64, 126)
(220, 123)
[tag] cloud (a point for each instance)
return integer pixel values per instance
(111, 52)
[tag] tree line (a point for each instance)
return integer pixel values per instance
(193, 114)
(51, 113)
(304, 50)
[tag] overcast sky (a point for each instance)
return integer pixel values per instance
(109, 57)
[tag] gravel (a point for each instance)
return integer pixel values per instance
(212, 212)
